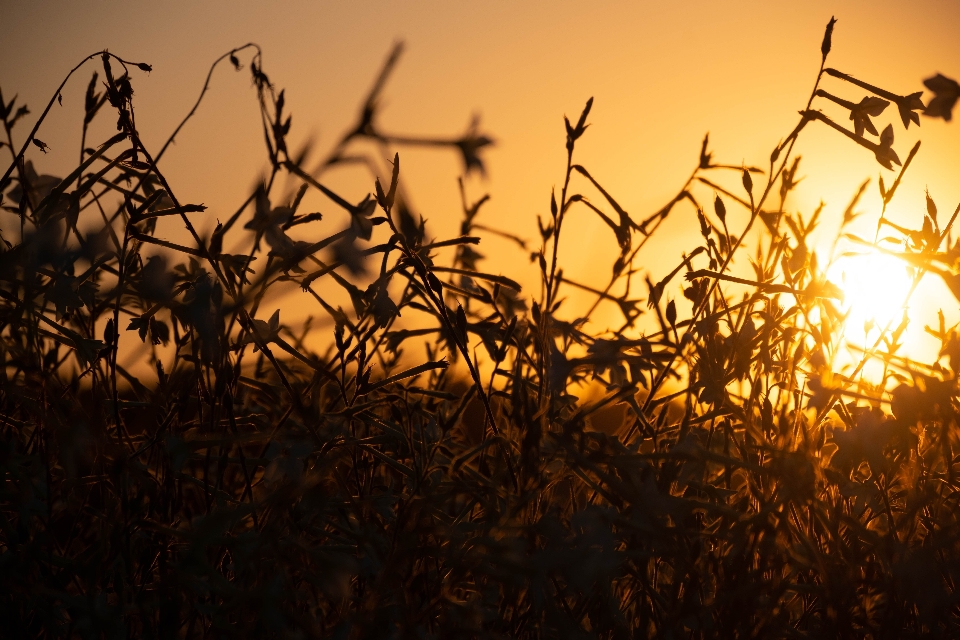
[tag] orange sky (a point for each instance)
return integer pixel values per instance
(662, 75)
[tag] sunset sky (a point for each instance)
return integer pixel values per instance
(662, 74)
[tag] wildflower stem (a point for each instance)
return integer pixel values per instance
(863, 85)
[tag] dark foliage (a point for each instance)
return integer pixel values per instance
(246, 484)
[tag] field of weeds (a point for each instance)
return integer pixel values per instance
(436, 469)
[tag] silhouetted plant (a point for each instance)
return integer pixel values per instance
(247, 484)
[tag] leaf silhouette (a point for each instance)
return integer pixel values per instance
(860, 112)
(347, 252)
(63, 294)
(360, 220)
(470, 145)
(268, 221)
(267, 331)
(705, 156)
(906, 105)
(946, 91)
(884, 151)
(870, 106)
(88, 350)
(383, 308)
(38, 187)
(156, 282)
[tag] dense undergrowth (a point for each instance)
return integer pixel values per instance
(245, 485)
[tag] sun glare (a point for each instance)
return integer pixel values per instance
(875, 287)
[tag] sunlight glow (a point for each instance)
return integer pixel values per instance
(875, 287)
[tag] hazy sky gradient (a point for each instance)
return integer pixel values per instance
(662, 75)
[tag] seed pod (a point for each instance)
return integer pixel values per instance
(721, 209)
(828, 37)
(931, 207)
(704, 227)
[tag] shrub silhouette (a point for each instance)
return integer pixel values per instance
(251, 486)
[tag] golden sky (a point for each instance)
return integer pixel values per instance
(662, 75)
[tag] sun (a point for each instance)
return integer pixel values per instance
(875, 289)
